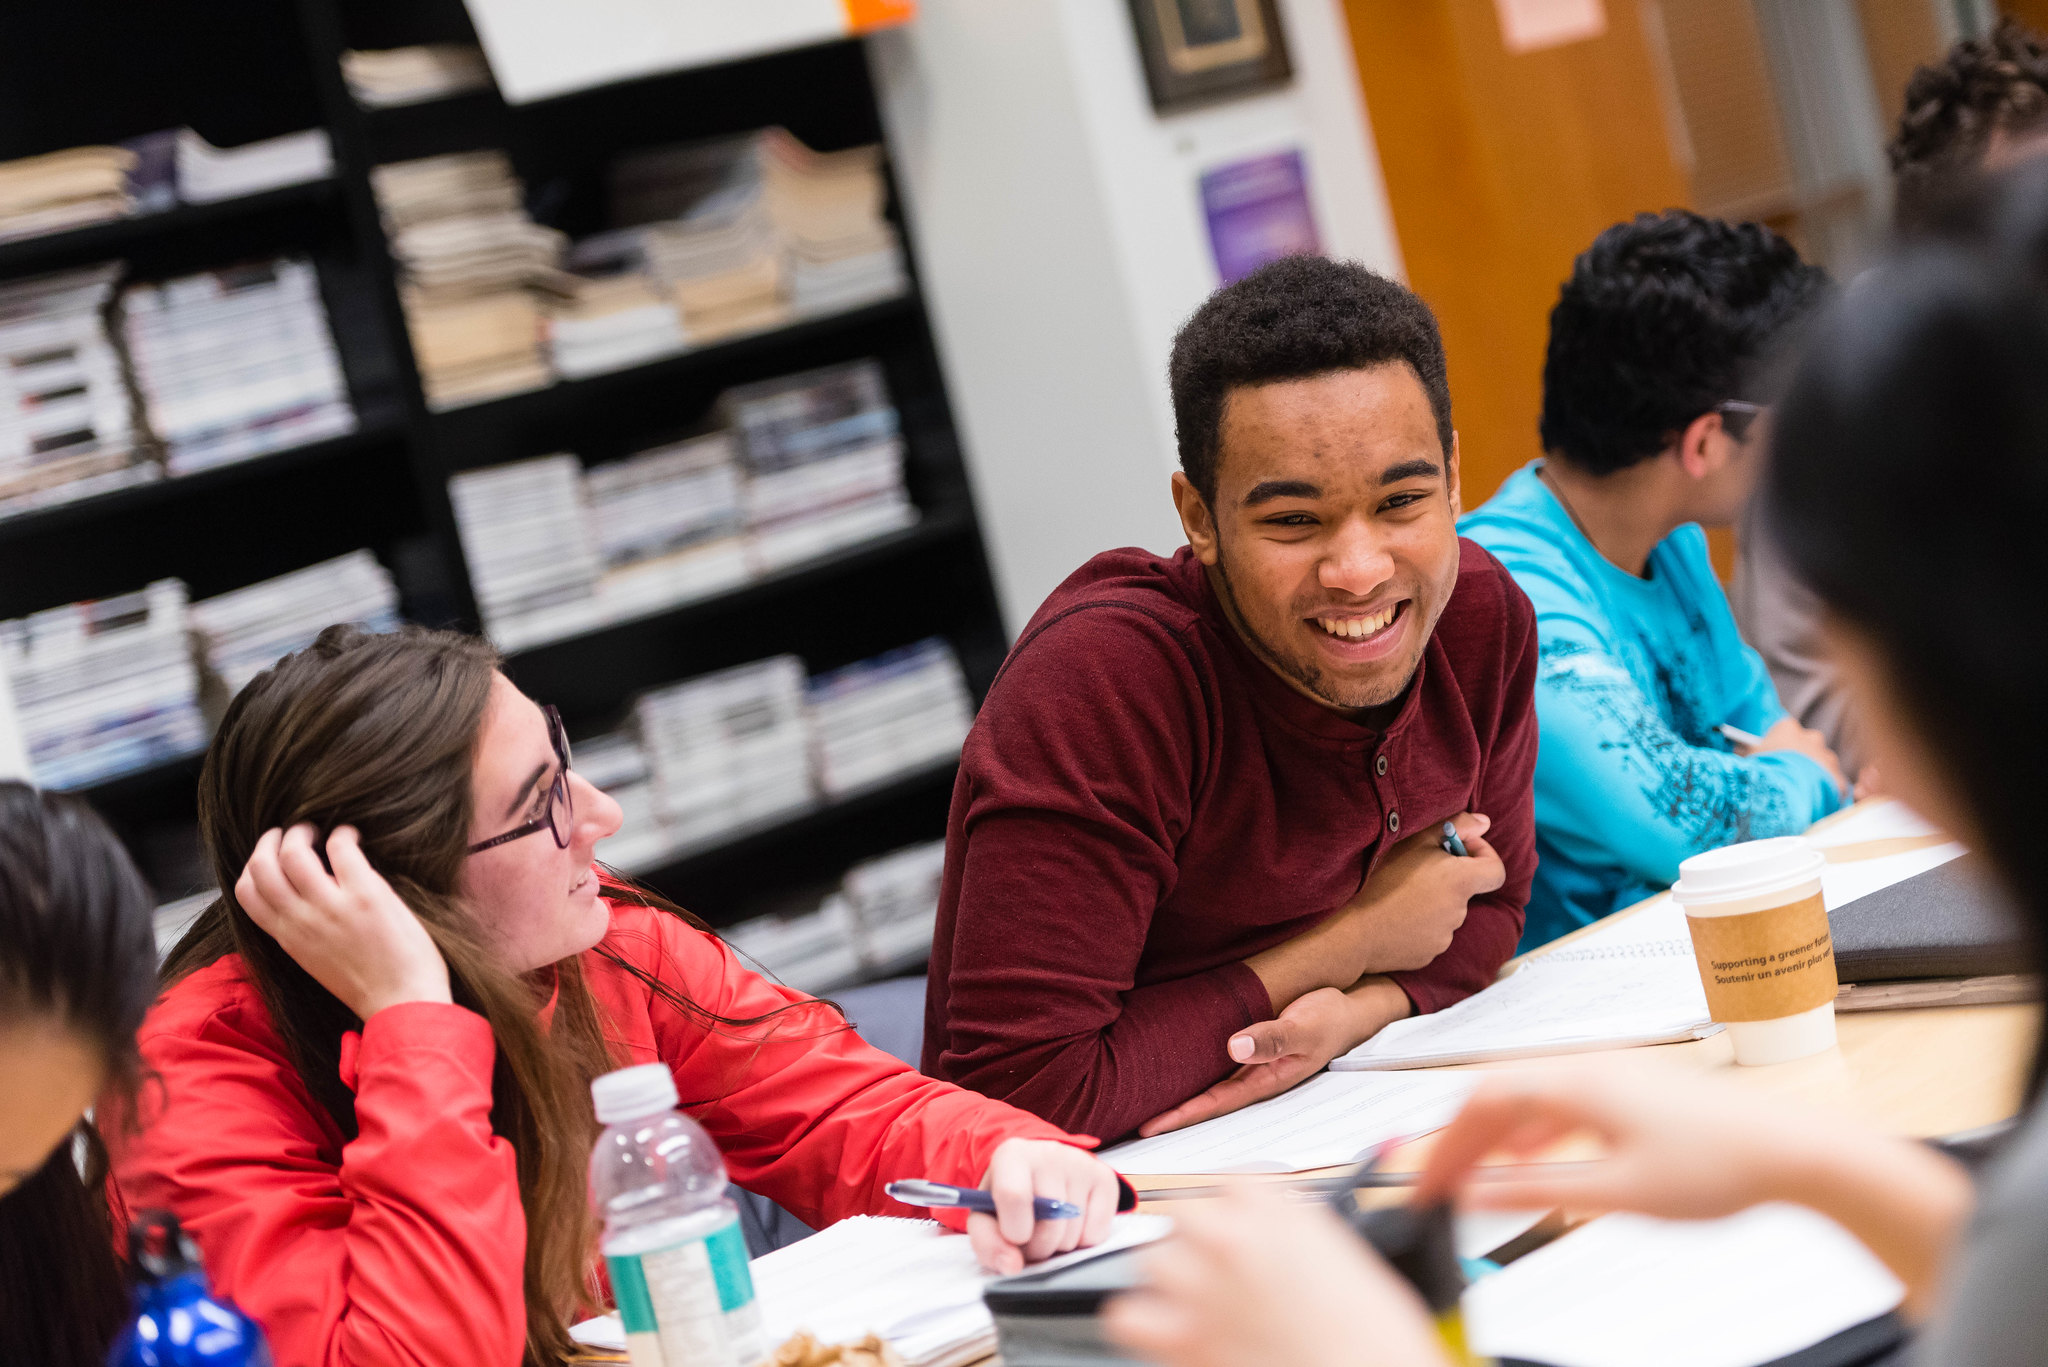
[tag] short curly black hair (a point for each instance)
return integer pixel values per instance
(1953, 106)
(1664, 316)
(1295, 318)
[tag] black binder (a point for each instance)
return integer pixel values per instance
(1949, 922)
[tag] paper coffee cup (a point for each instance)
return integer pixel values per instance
(1760, 937)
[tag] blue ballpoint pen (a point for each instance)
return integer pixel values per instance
(918, 1192)
(1451, 843)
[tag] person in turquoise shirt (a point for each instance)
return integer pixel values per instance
(1652, 430)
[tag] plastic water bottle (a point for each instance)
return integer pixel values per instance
(672, 1236)
(178, 1321)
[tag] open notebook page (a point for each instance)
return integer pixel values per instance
(1626, 1290)
(911, 1281)
(1331, 1118)
(1885, 819)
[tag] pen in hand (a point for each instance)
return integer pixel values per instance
(919, 1192)
(1451, 844)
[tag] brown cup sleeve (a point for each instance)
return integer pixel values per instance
(1765, 965)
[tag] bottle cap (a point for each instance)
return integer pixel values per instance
(631, 1093)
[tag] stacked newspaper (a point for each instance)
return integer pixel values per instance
(102, 688)
(893, 901)
(825, 455)
(668, 524)
(387, 78)
(68, 189)
(207, 173)
(895, 712)
(617, 764)
(812, 951)
(243, 633)
(751, 230)
(608, 312)
(236, 362)
(730, 748)
(471, 261)
(532, 561)
(65, 424)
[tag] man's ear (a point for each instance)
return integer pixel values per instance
(1454, 478)
(1195, 518)
(1703, 447)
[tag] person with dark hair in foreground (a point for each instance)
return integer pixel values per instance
(372, 1062)
(1193, 852)
(1654, 423)
(77, 972)
(1938, 353)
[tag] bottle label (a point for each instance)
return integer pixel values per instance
(691, 1304)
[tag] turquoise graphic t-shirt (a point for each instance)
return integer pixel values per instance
(1633, 677)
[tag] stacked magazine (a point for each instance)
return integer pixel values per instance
(60, 190)
(65, 414)
(668, 524)
(389, 77)
(879, 922)
(207, 173)
(243, 633)
(235, 363)
(471, 261)
(104, 687)
(882, 717)
(532, 562)
(729, 749)
(824, 453)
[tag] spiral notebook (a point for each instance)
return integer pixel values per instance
(1633, 982)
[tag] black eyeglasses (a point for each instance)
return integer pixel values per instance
(1737, 415)
(559, 816)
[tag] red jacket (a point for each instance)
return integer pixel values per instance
(406, 1246)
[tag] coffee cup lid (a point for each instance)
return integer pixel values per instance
(1754, 866)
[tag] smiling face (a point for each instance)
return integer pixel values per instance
(1333, 540)
(48, 1076)
(537, 901)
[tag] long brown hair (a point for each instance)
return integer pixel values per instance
(379, 732)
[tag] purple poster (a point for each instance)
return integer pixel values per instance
(1258, 211)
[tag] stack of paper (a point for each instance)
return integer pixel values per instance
(617, 764)
(729, 748)
(894, 902)
(207, 173)
(841, 252)
(60, 190)
(471, 259)
(65, 429)
(668, 525)
(749, 231)
(882, 717)
(601, 322)
(825, 455)
(243, 633)
(101, 688)
(235, 363)
(813, 951)
(528, 546)
(909, 1281)
(1626, 1289)
(387, 78)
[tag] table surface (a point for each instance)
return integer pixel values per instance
(1919, 1071)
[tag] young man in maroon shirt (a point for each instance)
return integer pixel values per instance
(1193, 850)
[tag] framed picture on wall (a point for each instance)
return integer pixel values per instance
(1201, 50)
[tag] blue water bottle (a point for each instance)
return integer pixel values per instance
(178, 1321)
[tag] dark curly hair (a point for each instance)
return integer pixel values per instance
(1295, 318)
(1983, 85)
(1664, 316)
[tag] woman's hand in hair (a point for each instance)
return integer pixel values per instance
(346, 928)
(1023, 1168)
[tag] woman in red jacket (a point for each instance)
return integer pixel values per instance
(376, 1049)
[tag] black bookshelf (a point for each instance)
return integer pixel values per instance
(384, 486)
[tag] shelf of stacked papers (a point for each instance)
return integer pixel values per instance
(105, 687)
(390, 78)
(117, 685)
(810, 465)
(879, 922)
(234, 363)
(711, 759)
(66, 418)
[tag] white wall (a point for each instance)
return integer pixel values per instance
(1060, 237)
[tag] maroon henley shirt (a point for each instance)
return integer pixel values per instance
(1143, 804)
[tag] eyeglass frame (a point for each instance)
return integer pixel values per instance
(1739, 408)
(558, 794)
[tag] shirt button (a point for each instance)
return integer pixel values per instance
(1379, 766)
(1393, 823)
